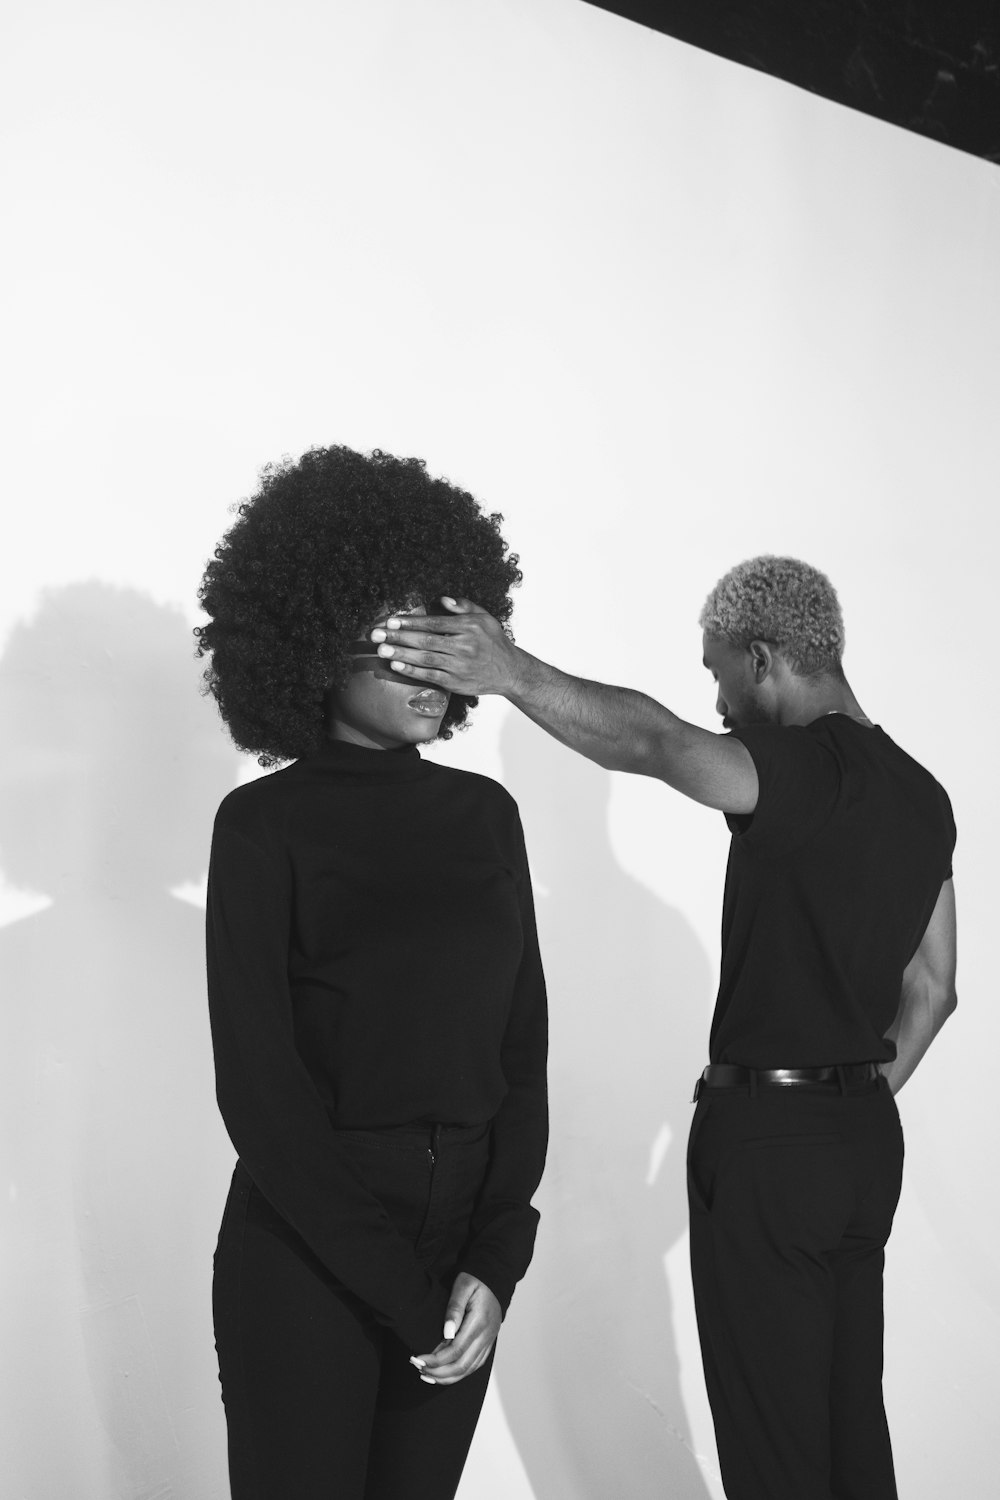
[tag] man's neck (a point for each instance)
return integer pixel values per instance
(818, 697)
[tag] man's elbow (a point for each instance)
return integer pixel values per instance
(945, 1006)
(637, 753)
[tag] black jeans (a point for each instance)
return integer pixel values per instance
(792, 1195)
(321, 1401)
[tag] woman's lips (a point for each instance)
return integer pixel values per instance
(431, 702)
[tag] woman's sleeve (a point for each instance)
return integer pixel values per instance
(503, 1227)
(270, 1106)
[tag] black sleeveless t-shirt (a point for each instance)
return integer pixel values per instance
(830, 886)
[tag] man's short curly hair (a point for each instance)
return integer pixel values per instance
(318, 553)
(782, 601)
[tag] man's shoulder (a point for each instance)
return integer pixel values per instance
(905, 758)
(793, 736)
(921, 782)
(798, 783)
(902, 762)
(786, 744)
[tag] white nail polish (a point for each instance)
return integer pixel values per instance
(393, 624)
(378, 635)
(427, 1380)
(449, 1329)
(418, 1362)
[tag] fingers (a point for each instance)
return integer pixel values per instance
(426, 674)
(475, 1314)
(458, 1303)
(425, 629)
(438, 1352)
(417, 652)
(428, 665)
(458, 1359)
(413, 652)
(463, 606)
(413, 640)
(409, 628)
(463, 653)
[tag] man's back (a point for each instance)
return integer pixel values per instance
(831, 884)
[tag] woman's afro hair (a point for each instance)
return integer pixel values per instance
(322, 550)
(785, 602)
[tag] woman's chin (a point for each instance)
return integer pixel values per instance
(423, 727)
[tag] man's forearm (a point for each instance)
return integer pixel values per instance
(624, 730)
(619, 728)
(921, 1015)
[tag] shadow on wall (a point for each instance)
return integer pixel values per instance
(593, 1396)
(115, 1159)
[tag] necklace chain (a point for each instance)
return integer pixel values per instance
(858, 718)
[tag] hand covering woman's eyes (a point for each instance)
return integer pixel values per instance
(367, 648)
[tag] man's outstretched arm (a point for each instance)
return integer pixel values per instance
(928, 994)
(467, 652)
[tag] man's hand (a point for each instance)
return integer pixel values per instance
(463, 652)
(472, 1323)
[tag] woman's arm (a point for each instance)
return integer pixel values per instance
(503, 1227)
(274, 1116)
(502, 1235)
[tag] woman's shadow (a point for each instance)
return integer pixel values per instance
(589, 1371)
(115, 1159)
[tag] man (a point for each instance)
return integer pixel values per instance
(838, 969)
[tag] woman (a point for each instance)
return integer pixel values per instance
(376, 995)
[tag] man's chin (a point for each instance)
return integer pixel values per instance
(747, 718)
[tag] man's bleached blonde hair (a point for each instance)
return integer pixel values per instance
(782, 601)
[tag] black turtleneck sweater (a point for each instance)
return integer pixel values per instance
(372, 961)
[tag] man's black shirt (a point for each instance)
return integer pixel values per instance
(831, 883)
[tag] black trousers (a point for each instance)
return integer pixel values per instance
(321, 1401)
(792, 1193)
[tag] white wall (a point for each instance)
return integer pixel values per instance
(662, 313)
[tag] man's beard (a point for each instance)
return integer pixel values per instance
(749, 710)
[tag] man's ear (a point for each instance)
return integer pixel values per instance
(761, 660)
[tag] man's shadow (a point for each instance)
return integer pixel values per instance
(589, 1371)
(115, 1161)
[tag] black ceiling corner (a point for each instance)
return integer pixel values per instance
(931, 66)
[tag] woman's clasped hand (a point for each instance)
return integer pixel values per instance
(471, 1325)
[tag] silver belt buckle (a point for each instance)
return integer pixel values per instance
(784, 1077)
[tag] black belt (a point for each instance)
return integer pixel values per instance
(836, 1076)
